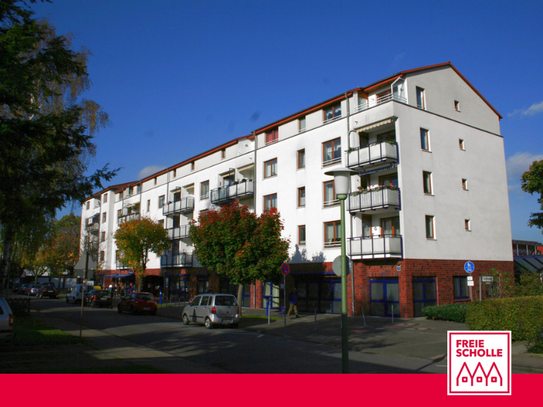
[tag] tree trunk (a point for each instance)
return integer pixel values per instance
(240, 297)
(4, 265)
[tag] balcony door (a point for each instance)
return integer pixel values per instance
(390, 226)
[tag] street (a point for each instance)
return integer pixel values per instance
(229, 350)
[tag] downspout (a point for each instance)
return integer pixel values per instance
(254, 200)
(350, 217)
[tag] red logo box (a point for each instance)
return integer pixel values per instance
(479, 363)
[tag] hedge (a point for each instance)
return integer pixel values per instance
(523, 316)
(447, 312)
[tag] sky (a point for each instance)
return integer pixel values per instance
(179, 77)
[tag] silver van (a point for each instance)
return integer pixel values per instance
(211, 310)
(6, 321)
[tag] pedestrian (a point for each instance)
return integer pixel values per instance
(293, 301)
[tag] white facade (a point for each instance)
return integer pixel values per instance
(463, 162)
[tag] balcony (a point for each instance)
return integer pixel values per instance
(176, 260)
(92, 224)
(128, 217)
(376, 247)
(184, 205)
(227, 194)
(375, 155)
(366, 104)
(180, 232)
(381, 198)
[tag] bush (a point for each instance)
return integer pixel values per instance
(535, 345)
(448, 312)
(19, 306)
(523, 316)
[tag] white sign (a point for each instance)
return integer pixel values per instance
(487, 279)
(470, 278)
(471, 283)
(336, 266)
(479, 363)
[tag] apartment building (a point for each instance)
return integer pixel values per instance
(429, 194)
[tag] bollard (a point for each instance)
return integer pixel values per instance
(160, 298)
(363, 315)
(315, 319)
(392, 306)
(268, 312)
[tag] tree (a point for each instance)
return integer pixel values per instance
(137, 238)
(62, 244)
(532, 182)
(240, 245)
(45, 131)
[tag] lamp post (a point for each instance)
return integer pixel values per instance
(342, 176)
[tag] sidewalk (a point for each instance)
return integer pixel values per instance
(415, 338)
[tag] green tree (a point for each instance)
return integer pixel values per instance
(63, 244)
(240, 245)
(137, 238)
(46, 132)
(532, 182)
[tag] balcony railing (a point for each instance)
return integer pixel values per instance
(383, 99)
(185, 205)
(376, 247)
(381, 198)
(128, 217)
(180, 232)
(382, 152)
(235, 191)
(176, 260)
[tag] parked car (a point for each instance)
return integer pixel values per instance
(212, 309)
(98, 298)
(22, 288)
(33, 289)
(6, 321)
(75, 294)
(137, 303)
(47, 291)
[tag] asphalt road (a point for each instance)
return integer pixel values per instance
(230, 350)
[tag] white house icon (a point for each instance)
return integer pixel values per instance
(479, 376)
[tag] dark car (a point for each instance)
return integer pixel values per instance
(138, 303)
(98, 298)
(47, 291)
(33, 289)
(22, 288)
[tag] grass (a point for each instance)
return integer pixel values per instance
(29, 332)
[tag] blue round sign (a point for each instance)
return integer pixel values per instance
(469, 267)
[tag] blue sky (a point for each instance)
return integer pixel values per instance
(179, 77)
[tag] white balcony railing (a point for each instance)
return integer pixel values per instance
(181, 206)
(380, 152)
(180, 232)
(128, 217)
(376, 247)
(239, 190)
(380, 198)
(368, 103)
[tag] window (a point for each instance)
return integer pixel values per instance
(148, 205)
(223, 153)
(390, 180)
(161, 222)
(460, 288)
(161, 201)
(270, 168)
(467, 225)
(366, 226)
(424, 140)
(301, 124)
(104, 198)
(331, 152)
(301, 234)
(270, 201)
(461, 144)
(192, 166)
(464, 184)
(301, 196)
(388, 136)
(301, 158)
(391, 226)
(155, 180)
(332, 233)
(332, 113)
(329, 196)
(272, 136)
(421, 102)
(430, 232)
(457, 105)
(102, 255)
(104, 217)
(204, 190)
(103, 237)
(175, 172)
(88, 205)
(427, 182)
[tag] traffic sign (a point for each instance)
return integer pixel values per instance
(336, 266)
(469, 267)
(285, 269)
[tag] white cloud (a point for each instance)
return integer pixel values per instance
(534, 109)
(518, 164)
(150, 170)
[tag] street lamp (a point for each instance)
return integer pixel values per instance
(342, 176)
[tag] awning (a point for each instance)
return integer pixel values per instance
(119, 275)
(374, 125)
